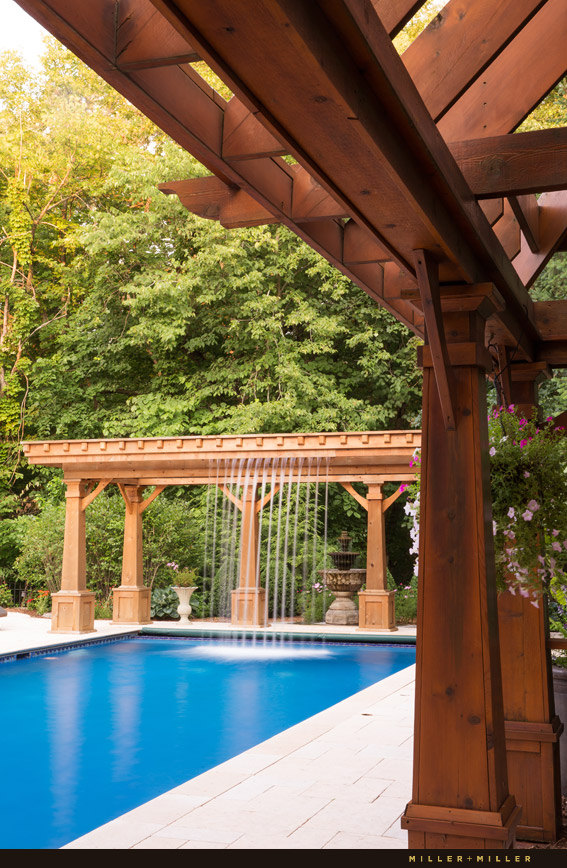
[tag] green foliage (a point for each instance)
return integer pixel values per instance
(103, 608)
(314, 604)
(164, 604)
(529, 502)
(6, 598)
(185, 578)
(405, 600)
(127, 316)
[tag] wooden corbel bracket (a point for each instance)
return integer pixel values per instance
(427, 274)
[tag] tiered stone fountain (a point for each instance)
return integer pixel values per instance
(344, 582)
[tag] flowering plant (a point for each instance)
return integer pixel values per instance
(528, 474)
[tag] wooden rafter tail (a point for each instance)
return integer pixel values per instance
(151, 497)
(358, 497)
(428, 283)
(88, 499)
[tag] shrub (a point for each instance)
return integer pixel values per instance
(5, 596)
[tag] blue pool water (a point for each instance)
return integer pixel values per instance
(91, 733)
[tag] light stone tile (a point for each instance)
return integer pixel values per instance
(117, 835)
(164, 809)
(203, 845)
(396, 832)
(244, 792)
(345, 817)
(400, 790)
(218, 834)
(345, 841)
(156, 843)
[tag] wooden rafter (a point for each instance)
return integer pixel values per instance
(464, 38)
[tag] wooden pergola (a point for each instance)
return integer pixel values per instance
(89, 466)
(405, 176)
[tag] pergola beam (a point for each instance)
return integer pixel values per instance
(399, 159)
(532, 162)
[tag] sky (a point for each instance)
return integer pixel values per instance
(19, 32)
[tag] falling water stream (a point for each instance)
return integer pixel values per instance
(291, 528)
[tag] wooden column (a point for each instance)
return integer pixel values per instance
(249, 599)
(460, 798)
(73, 605)
(531, 726)
(376, 603)
(132, 601)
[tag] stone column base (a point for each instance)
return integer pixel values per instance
(72, 612)
(532, 755)
(439, 828)
(249, 607)
(131, 605)
(376, 610)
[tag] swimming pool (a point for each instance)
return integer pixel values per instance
(92, 732)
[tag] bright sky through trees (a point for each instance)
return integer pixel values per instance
(19, 32)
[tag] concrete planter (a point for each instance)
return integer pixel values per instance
(184, 607)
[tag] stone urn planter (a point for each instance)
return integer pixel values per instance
(184, 607)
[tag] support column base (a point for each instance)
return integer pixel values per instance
(248, 607)
(72, 612)
(532, 754)
(376, 610)
(131, 605)
(441, 828)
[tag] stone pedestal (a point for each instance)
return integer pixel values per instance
(249, 607)
(376, 610)
(72, 612)
(131, 605)
(342, 610)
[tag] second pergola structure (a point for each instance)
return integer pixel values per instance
(89, 466)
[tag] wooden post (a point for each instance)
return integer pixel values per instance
(460, 798)
(132, 601)
(376, 603)
(249, 599)
(531, 726)
(73, 605)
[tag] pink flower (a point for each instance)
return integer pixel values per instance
(556, 546)
(511, 512)
(555, 532)
(534, 603)
(527, 515)
(492, 452)
(523, 443)
(403, 487)
(526, 474)
(533, 505)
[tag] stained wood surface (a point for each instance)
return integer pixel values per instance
(458, 693)
(459, 43)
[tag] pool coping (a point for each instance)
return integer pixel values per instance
(249, 633)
